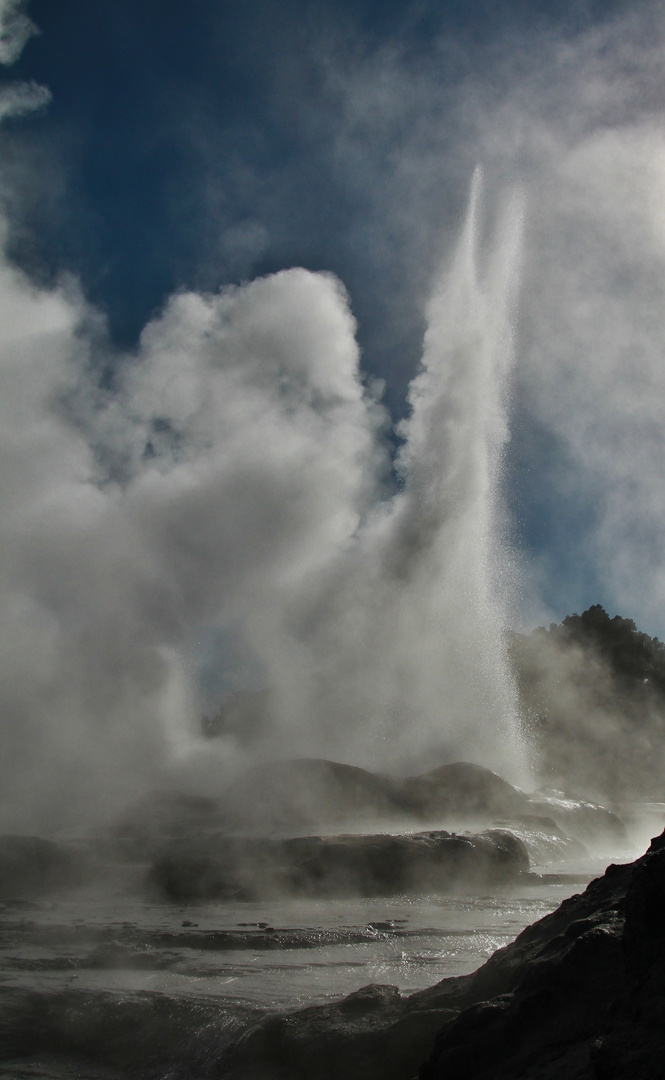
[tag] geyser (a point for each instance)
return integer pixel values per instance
(391, 651)
(232, 482)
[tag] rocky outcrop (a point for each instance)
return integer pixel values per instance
(460, 790)
(311, 794)
(381, 865)
(580, 995)
(311, 790)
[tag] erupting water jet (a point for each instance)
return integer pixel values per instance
(391, 653)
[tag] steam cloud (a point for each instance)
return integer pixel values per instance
(228, 494)
(231, 479)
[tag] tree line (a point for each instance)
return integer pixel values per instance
(592, 694)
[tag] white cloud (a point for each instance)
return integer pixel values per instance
(15, 30)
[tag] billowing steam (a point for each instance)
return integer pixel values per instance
(230, 483)
(389, 651)
(216, 515)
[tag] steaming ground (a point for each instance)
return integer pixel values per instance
(166, 946)
(110, 990)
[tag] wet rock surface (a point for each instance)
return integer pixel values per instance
(580, 995)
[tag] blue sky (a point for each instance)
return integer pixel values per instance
(172, 153)
(166, 133)
(193, 150)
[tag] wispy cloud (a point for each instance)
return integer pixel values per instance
(17, 99)
(15, 30)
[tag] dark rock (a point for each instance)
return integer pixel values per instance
(309, 792)
(316, 792)
(298, 796)
(370, 1035)
(459, 790)
(581, 994)
(381, 865)
(149, 1036)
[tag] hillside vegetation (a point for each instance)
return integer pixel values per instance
(592, 692)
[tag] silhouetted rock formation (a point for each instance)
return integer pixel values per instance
(461, 790)
(580, 995)
(308, 791)
(315, 793)
(382, 865)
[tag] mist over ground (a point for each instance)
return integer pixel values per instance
(224, 505)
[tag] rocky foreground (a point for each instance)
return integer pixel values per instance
(580, 995)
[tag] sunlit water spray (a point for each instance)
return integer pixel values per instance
(446, 534)
(392, 656)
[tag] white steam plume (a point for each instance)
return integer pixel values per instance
(229, 488)
(231, 479)
(573, 109)
(394, 653)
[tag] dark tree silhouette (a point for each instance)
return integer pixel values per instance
(592, 691)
